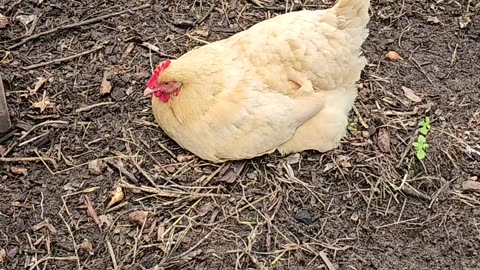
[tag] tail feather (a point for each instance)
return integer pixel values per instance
(352, 14)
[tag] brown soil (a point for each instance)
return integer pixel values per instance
(368, 205)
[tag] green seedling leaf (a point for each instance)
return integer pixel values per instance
(421, 139)
(421, 154)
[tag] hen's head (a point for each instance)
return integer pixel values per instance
(161, 86)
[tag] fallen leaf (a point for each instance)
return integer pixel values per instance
(90, 210)
(43, 103)
(106, 86)
(383, 141)
(19, 170)
(117, 197)
(87, 246)
(3, 21)
(410, 94)
(393, 55)
(96, 166)
(38, 85)
(138, 217)
(26, 19)
(433, 19)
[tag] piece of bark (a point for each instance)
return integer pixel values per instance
(5, 123)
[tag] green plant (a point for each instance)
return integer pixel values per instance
(352, 128)
(421, 144)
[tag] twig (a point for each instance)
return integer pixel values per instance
(112, 254)
(156, 49)
(50, 122)
(27, 159)
(89, 107)
(327, 262)
(47, 258)
(73, 25)
(122, 170)
(59, 60)
(423, 71)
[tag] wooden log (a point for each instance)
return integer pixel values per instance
(5, 123)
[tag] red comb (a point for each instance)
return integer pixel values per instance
(153, 80)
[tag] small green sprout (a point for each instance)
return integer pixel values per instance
(352, 128)
(421, 144)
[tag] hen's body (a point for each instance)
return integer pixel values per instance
(285, 84)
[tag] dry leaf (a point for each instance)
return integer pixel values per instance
(117, 197)
(393, 55)
(96, 166)
(43, 103)
(410, 94)
(18, 170)
(87, 246)
(383, 141)
(106, 86)
(3, 21)
(26, 19)
(138, 217)
(38, 85)
(433, 19)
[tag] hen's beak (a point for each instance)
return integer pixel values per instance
(147, 92)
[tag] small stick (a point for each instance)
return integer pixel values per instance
(68, 26)
(88, 108)
(156, 49)
(27, 159)
(327, 262)
(47, 258)
(124, 171)
(50, 122)
(112, 254)
(59, 60)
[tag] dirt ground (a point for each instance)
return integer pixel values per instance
(370, 204)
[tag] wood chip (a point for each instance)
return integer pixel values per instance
(5, 123)
(3, 21)
(106, 86)
(383, 141)
(471, 186)
(18, 170)
(410, 94)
